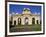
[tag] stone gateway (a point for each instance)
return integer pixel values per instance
(26, 18)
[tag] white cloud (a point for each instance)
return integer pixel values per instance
(16, 13)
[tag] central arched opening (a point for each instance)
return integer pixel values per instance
(26, 21)
(19, 21)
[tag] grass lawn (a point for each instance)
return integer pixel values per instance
(23, 28)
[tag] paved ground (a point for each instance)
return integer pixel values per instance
(24, 28)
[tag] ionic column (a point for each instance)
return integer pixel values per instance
(35, 21)
(39, 21)
(12, 22)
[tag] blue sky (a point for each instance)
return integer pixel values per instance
(19, 8)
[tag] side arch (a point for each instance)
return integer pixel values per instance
(37, 22)
(33, 20)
